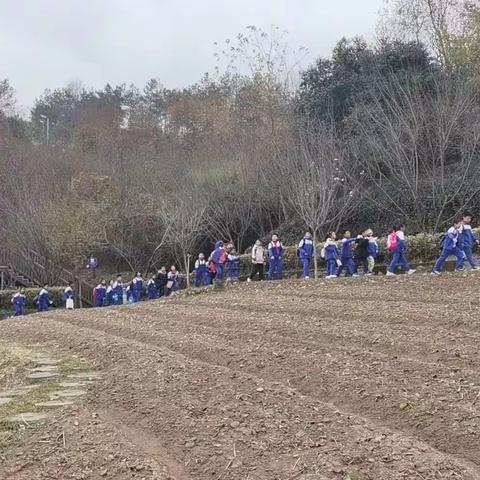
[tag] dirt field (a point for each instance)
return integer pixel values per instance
(350, 379)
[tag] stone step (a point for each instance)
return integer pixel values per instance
(67, 394)
(45, 361)
(27, 417)
(54, 404)
(18, 391)
(83, 376)
(45, 368)
(41, 376)
(77, 385)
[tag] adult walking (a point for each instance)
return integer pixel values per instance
(258, 261)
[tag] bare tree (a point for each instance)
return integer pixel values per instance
(417, 148)
(316, 183)
(186, 218)
(432, 22)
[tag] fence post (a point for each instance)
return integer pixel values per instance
(80, 302)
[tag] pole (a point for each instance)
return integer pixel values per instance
(48, 131)
(188, 270)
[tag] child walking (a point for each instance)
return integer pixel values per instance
(137, 288)
(372, 251)
(233, 265)
(19, 301)
(361, 253)
(152, 288)
(450, 247)
(43, 300)
(275, 254)
(202, 273)
(258, 261)
(68, 297)
(397, 245)
(346, 255)
(305, 253)
(218, 258)
(467, 241)
(173, 281)
(330, 251)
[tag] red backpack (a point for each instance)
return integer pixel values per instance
(392, 241)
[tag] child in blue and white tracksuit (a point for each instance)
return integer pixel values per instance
(372, 251)
(233, 266)
(101, 294)
(219, 258)
(43, 300)
(202, 273)
(467, 240)
(450, 246)
(331, 255)
(346, 255)
(19, 301)
(68, 295)
(275, 255)
(399, 257)
(137, 284)
(152, 291)
(306, 251)
(118, 291)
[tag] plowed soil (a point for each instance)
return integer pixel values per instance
(351, 379)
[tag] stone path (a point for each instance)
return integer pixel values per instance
(71, 388)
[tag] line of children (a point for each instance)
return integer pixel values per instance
(459, 241)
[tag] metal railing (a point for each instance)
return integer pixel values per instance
(40, 271)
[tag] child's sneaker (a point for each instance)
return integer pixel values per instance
(390, 274)
(411, 271)
(307, 278)
(436, 272)
(476, 268)
(249, 280)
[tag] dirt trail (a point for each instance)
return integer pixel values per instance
(375, 379)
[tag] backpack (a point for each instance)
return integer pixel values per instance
(392, 241)
(442, 241)
(322, 252)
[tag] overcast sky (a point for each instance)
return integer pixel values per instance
(48, 43)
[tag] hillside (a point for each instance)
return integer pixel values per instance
(352, 380)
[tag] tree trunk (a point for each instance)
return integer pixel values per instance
(315, 259)
(187, 268)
